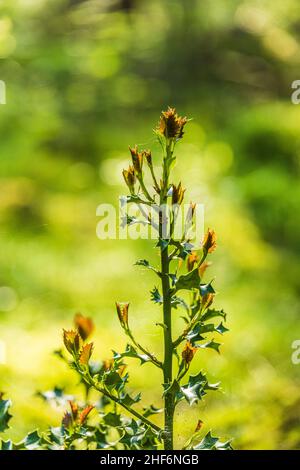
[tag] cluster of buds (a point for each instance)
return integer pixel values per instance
(74, 339)
(75, 417)
(171, 125)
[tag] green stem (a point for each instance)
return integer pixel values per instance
(168, 345)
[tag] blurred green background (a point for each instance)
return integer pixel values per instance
(84, 80)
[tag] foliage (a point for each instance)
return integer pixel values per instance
(110, 378)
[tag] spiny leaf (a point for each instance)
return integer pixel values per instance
(131, 352)
(7, 445)
(206, 289)
(221, 328)
(212, 345)
(212, 443)
(128, 400)
(4, 414)
(178, 302)
(213, 313)
(162, 243)
(188, 281)
(32, 441)
(155, 296)
(152, 410)
(112, 419)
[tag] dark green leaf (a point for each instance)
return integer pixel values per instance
(131, 352)
(178, 302)
(212, 443)
(128, 400)
(4, 414)
(206, 289)
(213, 313)
(188, 281)
(221, 328)
(162, 243)
(211, 344)
(32, 441)
(155, 296)
(7, 445)
(152, 410)
(112, 419)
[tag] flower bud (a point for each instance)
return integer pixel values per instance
(84, 325)
(177, 194)
(188, 353)
(122, 311)
(72, 341)
(203, 268)
(209, 243)
(147, 155)
(84, 414)
(207, 300)
(171, 125)
(137, 160)
(192, 259)
(129, 178)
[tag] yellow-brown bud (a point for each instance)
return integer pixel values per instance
(147, 155)
(122, 311)
(177, 194)
(171, 125)
(207, 300)
(210, 241)
(72, 341)
(137, 160)
(84, 325)
(188, 353)
(192, 259)
(129, 178)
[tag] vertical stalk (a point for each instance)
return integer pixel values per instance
(168, 350)
(168, 346)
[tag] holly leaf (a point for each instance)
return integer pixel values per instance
(212, 345)
(163, 244)
(212, 443)
(132, 352)
(178, 302)
(155, 296)
(221, 329)
(142, 262)
(188, 281)
(206, 289)
(128, 400)
(32, 441)
(213, 313)
(196, 388)
(152, 410)
(4, 414)
(112, 419)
